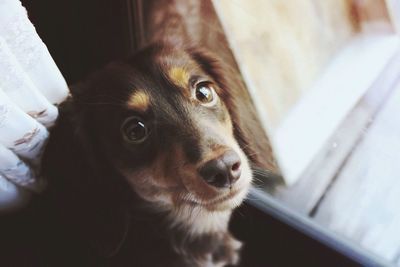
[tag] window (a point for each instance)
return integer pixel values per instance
(324, 76)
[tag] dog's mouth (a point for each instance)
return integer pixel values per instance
(215, 201)
(228, 200)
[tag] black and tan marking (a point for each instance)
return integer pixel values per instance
(160, 131)
(139, 101)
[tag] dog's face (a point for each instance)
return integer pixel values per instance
(163, 119)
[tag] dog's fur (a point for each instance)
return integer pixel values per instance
(108, 193)
(111, 202)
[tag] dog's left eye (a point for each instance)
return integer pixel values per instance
(205, 93)
(134, 130)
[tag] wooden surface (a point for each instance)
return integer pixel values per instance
(318, 114)
(305, 195)
(364, 201)
(353, 186)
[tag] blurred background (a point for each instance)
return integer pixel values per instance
(325, 78)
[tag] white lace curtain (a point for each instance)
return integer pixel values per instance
(30, 87)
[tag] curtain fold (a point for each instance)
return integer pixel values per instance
(31, 86)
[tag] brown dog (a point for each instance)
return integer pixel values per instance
(148, 160)
(159, 124)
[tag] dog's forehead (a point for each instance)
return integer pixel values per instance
(170, 74)
(178, 67)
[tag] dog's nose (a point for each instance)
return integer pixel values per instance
(223, 171)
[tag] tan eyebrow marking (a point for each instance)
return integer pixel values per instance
(179, 76)
(139, 100)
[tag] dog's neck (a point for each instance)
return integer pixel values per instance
(195, 236)
(193, 220)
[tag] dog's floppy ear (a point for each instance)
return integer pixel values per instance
(85, 197)
(247, 127)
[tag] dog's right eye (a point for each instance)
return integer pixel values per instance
(134, 130)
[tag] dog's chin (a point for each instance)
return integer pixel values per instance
(206, 216)
(233, 200)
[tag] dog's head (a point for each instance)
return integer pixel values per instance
(175, 126)
(167, 120)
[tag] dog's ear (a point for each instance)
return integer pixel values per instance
(85, 195)
(247, 127)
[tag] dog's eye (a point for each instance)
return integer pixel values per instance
(205, 93)
(134, 130)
